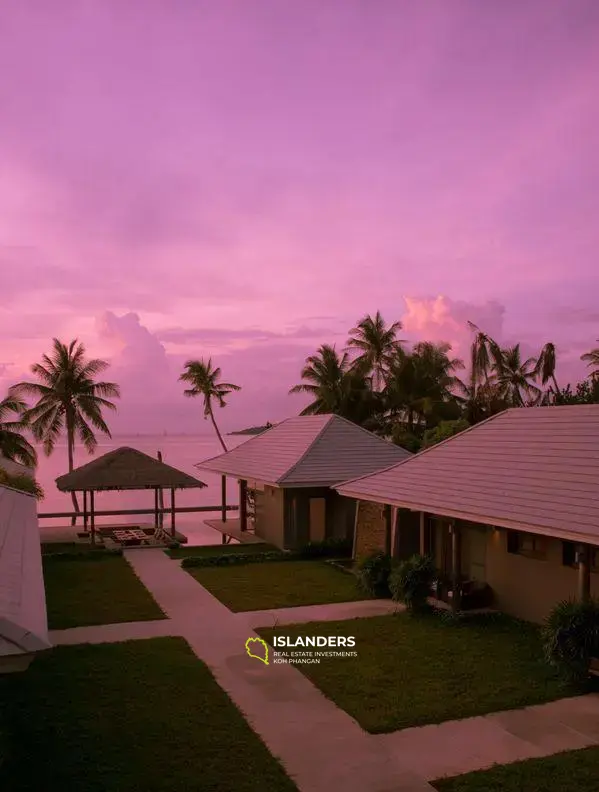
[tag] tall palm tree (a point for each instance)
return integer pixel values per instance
(13, 446)
(515, 378)
(337, 386)
(592, 360)
(484, 354)
(204, 381)
(546, 364)
(68, 399)
(377, 344)
(419, 384)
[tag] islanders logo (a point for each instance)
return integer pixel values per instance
(258, 649)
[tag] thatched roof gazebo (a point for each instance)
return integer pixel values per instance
(126, 469)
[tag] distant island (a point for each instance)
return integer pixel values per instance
(253, 430)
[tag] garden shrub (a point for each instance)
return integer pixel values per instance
(373, 574)
(571, 638)
(239, 558)
(329, 548)
(411, 580)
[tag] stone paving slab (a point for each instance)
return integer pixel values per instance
(309, 613)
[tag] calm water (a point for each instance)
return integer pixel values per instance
(180, 452)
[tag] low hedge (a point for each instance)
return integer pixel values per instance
(240, 558)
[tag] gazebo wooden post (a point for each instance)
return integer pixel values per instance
(173, 512)
(92, 516)
(243, 505)
(223, 491)
(156, 524)
(85, 510)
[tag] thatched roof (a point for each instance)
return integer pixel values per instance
(125, 469)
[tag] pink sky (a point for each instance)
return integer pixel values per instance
(244, 180)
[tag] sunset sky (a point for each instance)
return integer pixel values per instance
(244, 180)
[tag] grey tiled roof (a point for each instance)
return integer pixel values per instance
(311, 450)
(524, 468)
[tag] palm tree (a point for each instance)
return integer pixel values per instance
(337, 386)
(420, 384)
(203, 379)
(377, 344)
(514, 378)
(13, 446)
(484, 353)
(546, 364)
(68, 399)
(592, 360)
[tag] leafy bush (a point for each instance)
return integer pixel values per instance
(239, 558)
(571, 638)
(328, 548)
(22, 482)
(373, 574)
(407, 440)
(411, 580)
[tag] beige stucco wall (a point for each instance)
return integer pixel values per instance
(269, 522)
(370, 529)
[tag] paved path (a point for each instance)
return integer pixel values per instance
(457, 747)
(320, 746)
(309, 613)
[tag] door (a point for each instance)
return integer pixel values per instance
(317, 519)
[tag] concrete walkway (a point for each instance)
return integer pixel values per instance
(311, 613)
(319, 745)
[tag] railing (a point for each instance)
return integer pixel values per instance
(119, 512)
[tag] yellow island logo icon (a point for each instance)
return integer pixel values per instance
(258, 649)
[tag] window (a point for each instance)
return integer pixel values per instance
(531, 545)
(570, 557)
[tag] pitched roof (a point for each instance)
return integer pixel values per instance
(125, 468)
(23, 621)
(535, 468)
(309, 450)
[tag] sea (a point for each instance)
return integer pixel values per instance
(179, 451)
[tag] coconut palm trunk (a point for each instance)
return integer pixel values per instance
(217, 430)
(71, 456)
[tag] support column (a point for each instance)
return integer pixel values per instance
(584, 573)
(395, 529)
(243, 505)
(387, 516)
(156, 524)
(85, 510)
(173, 512)
(223, 492)
(455, 565)
(92, 516)
(423, 547)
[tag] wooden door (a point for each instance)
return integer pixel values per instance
(317, 519)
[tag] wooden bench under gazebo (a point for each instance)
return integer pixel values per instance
(126, 469)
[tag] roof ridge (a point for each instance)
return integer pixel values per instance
(430, 448)
(281, 479)
(244, 443)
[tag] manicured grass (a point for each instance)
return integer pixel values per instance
(141, 715)
(275, 584)
(51, 548)
(573, 771)
(413, 671)
(221, 549)
(95, 589)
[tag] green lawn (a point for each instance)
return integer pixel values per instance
(141, 715)
(413, 671)
(221, 549)
(51, 548)
(278, 584)
(95, 589)
(573, 771)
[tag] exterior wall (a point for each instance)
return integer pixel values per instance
(370, 529)
(529, 587)
(269, 520)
